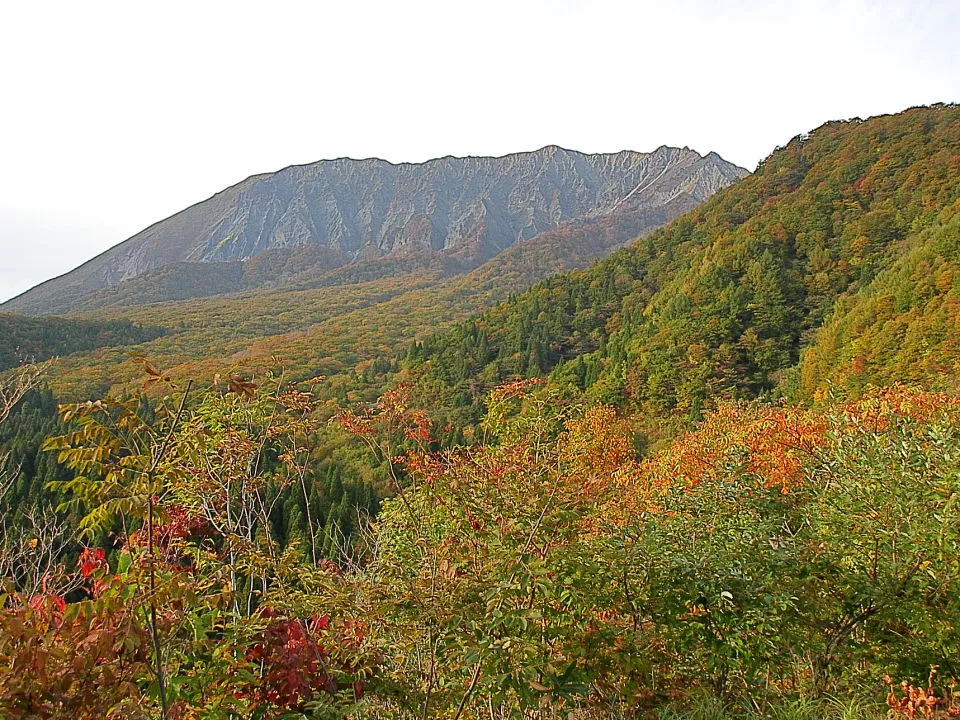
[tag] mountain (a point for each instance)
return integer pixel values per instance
(840, 249)
(328, 328)
(376, 219)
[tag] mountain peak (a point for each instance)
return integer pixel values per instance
(467, 209)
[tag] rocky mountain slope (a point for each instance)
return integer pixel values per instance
(304, 222)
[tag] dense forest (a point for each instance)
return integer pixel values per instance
(721, 303)
(29, 339)
(714, 475)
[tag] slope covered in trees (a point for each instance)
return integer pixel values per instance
(29, 339)
(903, 327)
(720, 303)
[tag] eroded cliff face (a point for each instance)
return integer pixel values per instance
(474, 206)
(469, 209)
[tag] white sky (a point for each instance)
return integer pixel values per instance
(114, 115)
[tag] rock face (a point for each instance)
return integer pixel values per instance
(348, 211)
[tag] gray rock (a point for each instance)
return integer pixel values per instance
(469, 209)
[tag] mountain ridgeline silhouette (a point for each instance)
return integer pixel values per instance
(307, 222)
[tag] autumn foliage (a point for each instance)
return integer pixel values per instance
(770, 552)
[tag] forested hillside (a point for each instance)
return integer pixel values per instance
(29, 339)
(720, 303)
(902, 327)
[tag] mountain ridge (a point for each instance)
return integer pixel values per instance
(469, 209)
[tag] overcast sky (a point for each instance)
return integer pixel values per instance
(116, 115)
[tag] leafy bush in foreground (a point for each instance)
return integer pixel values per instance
(770, 556)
